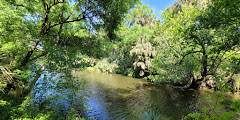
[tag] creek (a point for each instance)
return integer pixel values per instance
(113, 96)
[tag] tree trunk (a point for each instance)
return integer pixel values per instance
(191, 84)
(29, 54)
(43, 31)
(204, 62)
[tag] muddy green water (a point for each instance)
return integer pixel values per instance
(115, 96)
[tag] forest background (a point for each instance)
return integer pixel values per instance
(195, 44)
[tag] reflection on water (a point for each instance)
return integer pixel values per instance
(49, 91)
(118, 97)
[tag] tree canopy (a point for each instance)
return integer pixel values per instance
(195, 44)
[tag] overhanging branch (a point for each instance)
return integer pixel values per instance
(187, 55)
(65, 22)
(41, 55)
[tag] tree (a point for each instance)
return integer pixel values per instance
(142, 53)
(50, 28)
(195, 41)
(52, 15)
(141, 15)
(136, 44)
(217, 34)
(172, 45)
(14, 37)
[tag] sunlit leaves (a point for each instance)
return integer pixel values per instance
(195, 35)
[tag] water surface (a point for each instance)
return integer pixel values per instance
(115, 96)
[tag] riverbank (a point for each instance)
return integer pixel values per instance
(233, 95)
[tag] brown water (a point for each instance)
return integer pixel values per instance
(115, 96)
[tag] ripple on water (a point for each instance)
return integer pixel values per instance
(118, 97)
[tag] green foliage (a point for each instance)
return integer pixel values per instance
(41, 103)
(14, 36)
(142, 54)
(148, 115)
(222, 108)
(180, 49)
(20, 108)
(175, 58)
(128, 72)
(195, 42)
(151, 116)
(53, 24)
(105, 65)
(191, 41)
(141, 15)
(73, 115)
(51, 36)
(136, 45)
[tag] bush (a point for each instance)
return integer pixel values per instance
(106, 66)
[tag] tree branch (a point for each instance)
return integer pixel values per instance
(214, 61)
(79, 19)
(171, 46)
(43, 54)
(221, 62)
(45, 6)
(187, 55)
(55, 3)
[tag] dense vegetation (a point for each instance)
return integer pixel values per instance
(196, 41)
(46, 39)
(196, 44)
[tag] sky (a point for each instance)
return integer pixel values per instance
(158, 6)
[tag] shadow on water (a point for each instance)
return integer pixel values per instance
(118, 97)
(53, 92)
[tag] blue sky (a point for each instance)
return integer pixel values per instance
(158, 6)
